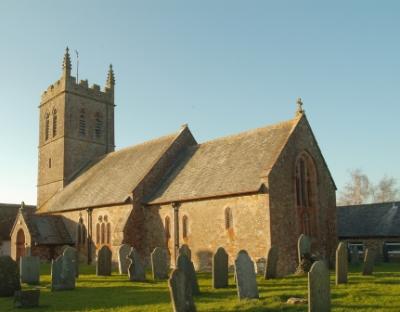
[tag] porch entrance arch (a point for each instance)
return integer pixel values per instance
(20, 244)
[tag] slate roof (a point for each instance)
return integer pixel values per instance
(113, 178)
(8, 213)
(47, 229)
(228, 165)
(369, 220)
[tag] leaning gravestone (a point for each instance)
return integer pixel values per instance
(303, 246)
(123, 261)
(186, 266)
(354, 254)
(29, 268)
(26, 298)
(104, 263)
(9, 277)
(341, 263)
(181, 292)
(271, 263)
(184, 249)
(369, 260)
(220, 269)
(136, 270)
(319, 293)
(245, 276)
(159, 264)
(63, 271)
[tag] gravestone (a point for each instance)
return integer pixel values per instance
(104, 263)
(159, 264)
(354, 259)
(184, 264)
(271, 263)
(181, 292)
(63, 270)
(9, 277)
(184, 249)
(26, 298)
(29, 268)
(319, 293)
(245, 276)
(136, 270)
(303, 247)
(71, 259)
(123, 261)
(341, 263)
(369, 261)
(220, 269)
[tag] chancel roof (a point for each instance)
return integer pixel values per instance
(112, 179)
(229, 165)
(369, 220)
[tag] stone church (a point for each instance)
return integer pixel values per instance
(248, 191)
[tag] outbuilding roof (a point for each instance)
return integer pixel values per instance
(8, 214)
(369, 220)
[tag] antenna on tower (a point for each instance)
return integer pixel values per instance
(77, 66)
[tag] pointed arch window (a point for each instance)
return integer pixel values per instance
(81, 233)
(185, 227)
(47, 126)
(103, 233)
(98, 233)
(306, 194)
(82, 123)
(228, 219)
(167, 228)
(108, 233)
(98, 129)
(54, 122)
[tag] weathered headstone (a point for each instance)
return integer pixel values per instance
(63, 270)
(29, 268)
(136, 271)
(184, 264)
(71, 263)
(123, 261)
(319, 293)
(9, 277)
(303, 247)
(341, 263)
(104, 257)
(369, 261)
(271, 263)
(159, 264)
(245, 276)
(185, 250)
(26, 298)
(181, 292)
(220, 269)
(354, 259)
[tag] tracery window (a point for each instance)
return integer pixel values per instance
(306, 191)
(185, 227)
(54, 122)
(228, 219)
(98, 126)
(82, 123)
(103, 231)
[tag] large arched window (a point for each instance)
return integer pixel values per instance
(306, 194)
(82, 123)
(47, 126)
(98, 129)
(185, 227)
(54, 122)
(228, 219)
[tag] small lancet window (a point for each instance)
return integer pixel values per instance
(108, 233)
(228, 219)
(49, 162)
(98, 125)
(98, 233)
(47, 126)
(103, 233)
(54, 123)
(82, 123)
(185, 227)
(167, 228)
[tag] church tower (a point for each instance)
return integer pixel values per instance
(76, 127)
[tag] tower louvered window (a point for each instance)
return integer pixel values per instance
(98, 126)
(82, 123)
(47, 127)
(54, 123)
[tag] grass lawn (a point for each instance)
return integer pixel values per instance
(380, 292)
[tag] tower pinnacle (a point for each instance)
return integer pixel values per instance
(110, 83)
(300, 109)
(66, 66)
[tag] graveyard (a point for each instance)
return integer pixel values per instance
(378, 292)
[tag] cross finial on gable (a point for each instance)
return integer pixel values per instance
(300, 109)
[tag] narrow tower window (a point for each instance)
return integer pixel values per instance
(54, 123)
(82, 123)
(98, 126)
(49, 162)
(228, 219)
(47, 127)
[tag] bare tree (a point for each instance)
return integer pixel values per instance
(357, 191)
(386, 190)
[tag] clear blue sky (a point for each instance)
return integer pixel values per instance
(221, 66)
